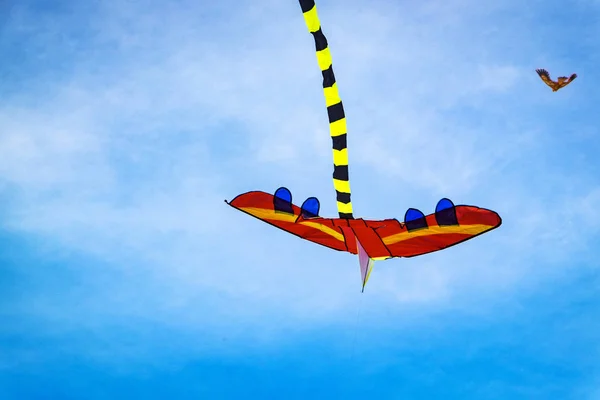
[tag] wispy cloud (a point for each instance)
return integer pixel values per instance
(124, 126)
(144, 144)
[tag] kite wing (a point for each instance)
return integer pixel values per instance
(304, 222)
(447, 226)
(420, 234)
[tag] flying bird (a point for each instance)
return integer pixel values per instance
(562, 80)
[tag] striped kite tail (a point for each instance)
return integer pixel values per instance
(335, 111)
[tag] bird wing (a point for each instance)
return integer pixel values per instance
(566, 80)
(545, 77)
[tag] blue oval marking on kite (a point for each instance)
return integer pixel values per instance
(282, 201)
(414, 219)
(413, 214)
(445, 213)
(444, 204)
(284, 194)
(310, 207)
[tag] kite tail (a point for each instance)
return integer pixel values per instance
(335, 111)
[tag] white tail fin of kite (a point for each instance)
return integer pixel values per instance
(366, 264)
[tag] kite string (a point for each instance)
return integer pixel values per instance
(356, 322)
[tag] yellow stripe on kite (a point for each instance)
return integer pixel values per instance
(312, 20)
(338, 128)
(341, 186)
(340, 157)
(331, 95)
(323, 228)
(344, 208)
(324, 59)
(263, 213)
(266, 215)
(436, 230)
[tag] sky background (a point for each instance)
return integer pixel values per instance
(124, 124)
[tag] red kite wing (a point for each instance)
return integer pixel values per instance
(442, 229)
(279, 211)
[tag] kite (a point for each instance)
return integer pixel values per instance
(562, 80)
(371, 240)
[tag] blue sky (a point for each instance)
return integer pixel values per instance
(125, 124)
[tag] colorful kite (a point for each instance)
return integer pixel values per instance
(555, 85)
(371, 240)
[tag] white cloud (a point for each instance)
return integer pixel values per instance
(132, 155)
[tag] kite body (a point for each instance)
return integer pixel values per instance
(560, 83)
(369, 239)
(380, 239)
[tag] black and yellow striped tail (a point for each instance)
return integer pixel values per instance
(335, 111)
